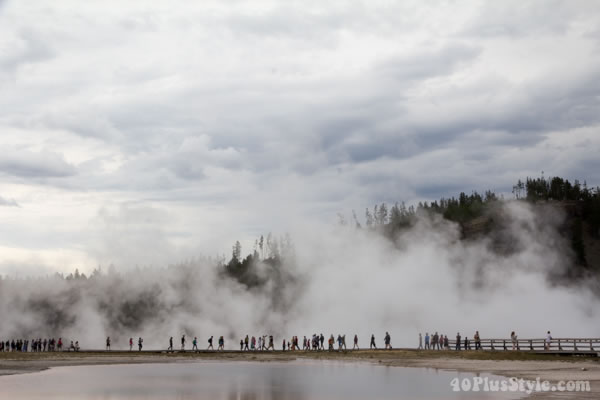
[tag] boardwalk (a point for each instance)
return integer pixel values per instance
(559, 346)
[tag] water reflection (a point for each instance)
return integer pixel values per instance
(299, 380)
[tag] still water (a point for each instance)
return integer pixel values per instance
(298, 380)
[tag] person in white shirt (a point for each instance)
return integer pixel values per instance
(548, 341)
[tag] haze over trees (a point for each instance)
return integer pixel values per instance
(477, 215)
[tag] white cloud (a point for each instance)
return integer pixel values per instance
(240, 117)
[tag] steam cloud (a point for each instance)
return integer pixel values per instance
(342, 280)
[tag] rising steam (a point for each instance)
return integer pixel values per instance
(341, 280)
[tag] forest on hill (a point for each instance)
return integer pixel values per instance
(478, 215)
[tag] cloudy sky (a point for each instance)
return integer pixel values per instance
(150, 132)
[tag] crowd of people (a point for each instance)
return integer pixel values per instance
(37, 345)
(440, 342)
(313, 342)
(267, 342)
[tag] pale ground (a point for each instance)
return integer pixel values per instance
(519, 365)
(553, 371)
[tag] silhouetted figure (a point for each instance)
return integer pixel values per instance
(513, 339)
(435, 341)
(388, 341)
(271, 344)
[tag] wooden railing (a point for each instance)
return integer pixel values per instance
(558, 344)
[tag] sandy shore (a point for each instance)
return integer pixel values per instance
(509, 364)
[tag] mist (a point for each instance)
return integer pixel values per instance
(339, 280)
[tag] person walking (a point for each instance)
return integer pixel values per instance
(170, 344)
(388, 341)
(513, 339)
(108, 343)
(130, 344)
(271, 343)
(548, 341)
(210, 344)
(183, 342)
(373, 345)
(458, 341)
(426, 340)
(355, 343)
(477, 339)
(195, 344)
(140, 343)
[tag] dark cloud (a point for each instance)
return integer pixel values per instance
(8, 202)
(27, 46)
(26, 164)
(427, 62)
(535, 17)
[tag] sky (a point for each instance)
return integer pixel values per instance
(146, 133)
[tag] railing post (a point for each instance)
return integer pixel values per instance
(504, 344)
(575, 345)
(591, 347)
(530, 344)
(492, 344)
(518, 349)
(559, 346)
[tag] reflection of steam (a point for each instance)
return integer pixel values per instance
(348, 281)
